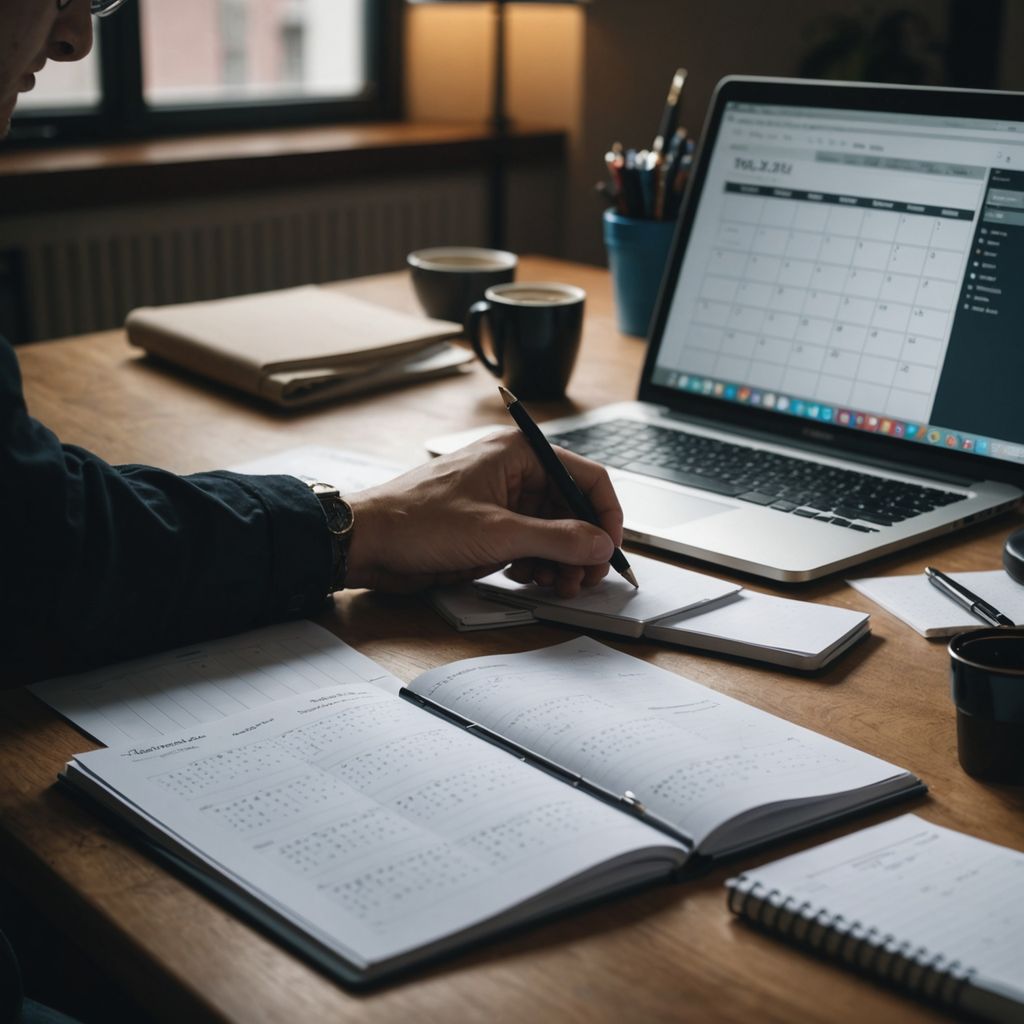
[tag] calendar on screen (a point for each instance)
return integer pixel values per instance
(856, 268)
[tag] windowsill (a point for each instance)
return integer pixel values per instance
(113, 174)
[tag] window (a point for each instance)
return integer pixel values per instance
(161, 68)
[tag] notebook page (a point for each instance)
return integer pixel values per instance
(152, 697)
(763, 620)
(694, 757)
(664, 589)
(938, 889)
(374, 824)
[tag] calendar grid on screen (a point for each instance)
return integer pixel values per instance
(844, 299)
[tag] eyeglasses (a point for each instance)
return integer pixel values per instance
(100, 8)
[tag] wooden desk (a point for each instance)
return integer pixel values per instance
(669, 953)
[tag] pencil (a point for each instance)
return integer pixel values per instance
(560, 476)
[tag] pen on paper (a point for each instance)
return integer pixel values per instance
(966, 599)
(560, 476)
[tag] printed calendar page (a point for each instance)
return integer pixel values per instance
(855, 268)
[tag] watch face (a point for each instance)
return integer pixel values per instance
(342, 516)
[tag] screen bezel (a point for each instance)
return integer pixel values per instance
(850, 96)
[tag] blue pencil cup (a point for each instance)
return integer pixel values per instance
(637, 253)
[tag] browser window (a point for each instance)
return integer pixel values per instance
(859, 269)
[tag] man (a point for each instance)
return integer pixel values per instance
(102, 563)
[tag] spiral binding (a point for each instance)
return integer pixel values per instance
(900, 964)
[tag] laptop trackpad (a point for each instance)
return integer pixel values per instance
(660, 507)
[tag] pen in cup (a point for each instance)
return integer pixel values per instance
(966, 599)
(670, 113)
(560, 476)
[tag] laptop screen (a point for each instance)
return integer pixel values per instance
(861, 269)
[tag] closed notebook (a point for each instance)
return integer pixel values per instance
(299, 345)
(934, 912)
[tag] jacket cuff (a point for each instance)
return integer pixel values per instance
(300, 543)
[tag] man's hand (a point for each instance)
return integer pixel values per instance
(470, 513)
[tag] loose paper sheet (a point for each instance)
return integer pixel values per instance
(926, 609)
(149, 698)
(348, 471)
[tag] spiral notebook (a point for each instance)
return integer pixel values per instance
(935, 912)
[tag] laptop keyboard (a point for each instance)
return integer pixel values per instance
(841, 497)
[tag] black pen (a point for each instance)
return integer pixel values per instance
(964, 597)
(671, 111)
(560, 476)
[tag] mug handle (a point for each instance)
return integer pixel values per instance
(474, 319)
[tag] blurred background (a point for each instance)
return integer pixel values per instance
(211, 147)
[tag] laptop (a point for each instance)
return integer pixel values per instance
(836, 358)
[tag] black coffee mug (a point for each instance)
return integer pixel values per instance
(988, 691)
(449, 279)
(535, 332)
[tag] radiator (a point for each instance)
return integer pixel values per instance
(83, 271)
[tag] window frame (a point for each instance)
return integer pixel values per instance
(123, 115)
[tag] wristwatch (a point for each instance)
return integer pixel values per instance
(340, 520)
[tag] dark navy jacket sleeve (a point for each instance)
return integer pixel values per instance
(99, 563)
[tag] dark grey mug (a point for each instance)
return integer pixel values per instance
(988, 691)
(448, 279)
(535, 331)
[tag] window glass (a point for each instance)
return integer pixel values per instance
(224, 51)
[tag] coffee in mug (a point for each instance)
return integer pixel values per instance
(449, 279)
(535, 330)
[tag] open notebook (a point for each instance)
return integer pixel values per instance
(689, 609)
(372, 826)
